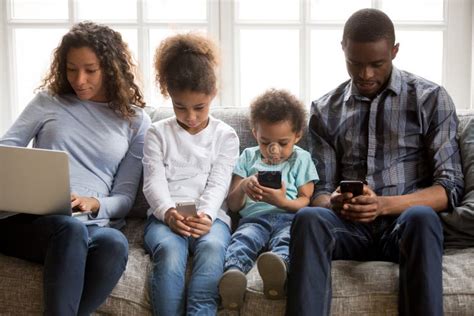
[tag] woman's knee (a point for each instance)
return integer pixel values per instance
(68, 229)
(112, 241)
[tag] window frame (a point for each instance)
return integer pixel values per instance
(457, 53)
(222, 25)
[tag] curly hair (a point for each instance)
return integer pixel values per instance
(275, 106)
(186, 62)
(368, 25)
(116, 63)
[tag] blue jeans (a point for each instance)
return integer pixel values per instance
(169, 252)
(256, 234)
(414, 240)
(82, 264)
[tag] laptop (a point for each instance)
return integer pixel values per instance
(34, 181)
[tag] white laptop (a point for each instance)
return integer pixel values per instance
(34, 181)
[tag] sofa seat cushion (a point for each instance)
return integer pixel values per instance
(371, 288)
(359, 288)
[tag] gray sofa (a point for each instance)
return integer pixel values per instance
(359, 288)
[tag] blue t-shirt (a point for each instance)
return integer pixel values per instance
(296, 171)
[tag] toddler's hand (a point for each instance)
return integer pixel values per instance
(276, 197)
(252, 188)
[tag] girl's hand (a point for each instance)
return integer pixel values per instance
(199, 225)
(176, 223)
(276, 197)
(84, 204)
(252, 188)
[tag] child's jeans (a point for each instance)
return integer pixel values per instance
(256, 234)
(169, 252)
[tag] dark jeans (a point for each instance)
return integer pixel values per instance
(414, 240)
(82, 264)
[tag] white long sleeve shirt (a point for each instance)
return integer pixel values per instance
(180, 166)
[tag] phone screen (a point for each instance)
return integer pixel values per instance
(355, 187)
(270, 179)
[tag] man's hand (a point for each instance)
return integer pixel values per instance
(363, 208)
(84, 204)
(199, 225)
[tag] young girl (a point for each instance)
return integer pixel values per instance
(188, 157)
(277, 119)
(88, 110)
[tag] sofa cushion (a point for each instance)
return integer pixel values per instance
(359, 288)
(459, 224)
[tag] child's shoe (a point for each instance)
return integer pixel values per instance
(273, 271)
(232, 287)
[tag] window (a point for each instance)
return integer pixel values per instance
(264, 43)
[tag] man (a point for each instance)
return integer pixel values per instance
(397, 132)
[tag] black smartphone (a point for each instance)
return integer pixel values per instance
(356, 187)
(270, 179)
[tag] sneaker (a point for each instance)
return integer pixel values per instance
(273, 271)
(232, 287)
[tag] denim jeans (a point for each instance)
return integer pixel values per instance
(414, 240)
(256, 234)
(82, 264)
(169, 252)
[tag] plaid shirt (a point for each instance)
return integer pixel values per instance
(401, 141)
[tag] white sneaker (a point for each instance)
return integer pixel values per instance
(273, 271)
(232, 287)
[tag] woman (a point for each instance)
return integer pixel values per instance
(91, 108)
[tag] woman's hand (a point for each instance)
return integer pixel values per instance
(200, 224)
(176, 223)
(84, 204)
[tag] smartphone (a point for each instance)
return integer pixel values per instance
(186, 208)
(356, 187)
(270, 179)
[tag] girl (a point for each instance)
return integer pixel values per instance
(188, 157)
(86, 109)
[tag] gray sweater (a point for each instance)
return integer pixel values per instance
(105, 150)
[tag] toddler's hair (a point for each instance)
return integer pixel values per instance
(186, 62)
(275, 106)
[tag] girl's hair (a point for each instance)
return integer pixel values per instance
(116, 63)
(275, 106)
(186, 62)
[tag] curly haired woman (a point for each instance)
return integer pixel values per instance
(90, 107)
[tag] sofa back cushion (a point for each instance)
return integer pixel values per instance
(238, 118)
(459, 224)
